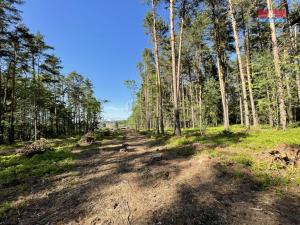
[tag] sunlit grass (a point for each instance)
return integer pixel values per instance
(242, 148)
(255, 139)
(17, 169)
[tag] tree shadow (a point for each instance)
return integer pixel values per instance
(231, 198)
(223, 139)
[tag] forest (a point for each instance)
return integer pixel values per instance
(212, 136)
(36, 99)
(223, 65)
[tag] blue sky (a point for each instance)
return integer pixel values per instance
(101, 39)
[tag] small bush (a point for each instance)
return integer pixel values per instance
(36, 147)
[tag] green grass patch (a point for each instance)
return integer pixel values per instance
(255, 139)
(242, 159)
(241, 148)
(18, 144)
(16, 169)
(4, 208)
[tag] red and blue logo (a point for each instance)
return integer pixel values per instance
(276, 15)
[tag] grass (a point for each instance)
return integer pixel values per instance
(18, 144)
(17, 171)
(18, 168)
(4, 207)
(256, 139)
(238, 151)
(245, 150)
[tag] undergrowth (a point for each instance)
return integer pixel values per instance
(243, 149)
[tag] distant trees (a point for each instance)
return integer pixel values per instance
(208, 76)
(36, 100)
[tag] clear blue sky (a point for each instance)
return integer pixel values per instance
(101, 39)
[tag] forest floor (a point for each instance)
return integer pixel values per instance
(217, 178)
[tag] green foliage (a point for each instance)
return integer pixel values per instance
(36, 99)
(17, 169)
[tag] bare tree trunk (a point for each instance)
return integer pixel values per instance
(147, 102)
(270, 111)
(297, 62)
(183, 105)
(34, 98)
(192, 105)
(288, 88)
(248, 62)
(179, 57)
(241, 109)
(180, 47)
(200, 109)
(191, 98)
(280, 91)
(291, 43)
(240, 101)
(237, 48)
(177, 128)
(1, 108)
(223, 94)
(298, 84)
(157, 68)
(221, 70)
(11, 135)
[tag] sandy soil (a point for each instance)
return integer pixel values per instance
(148, 185)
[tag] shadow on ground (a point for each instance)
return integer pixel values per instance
(227, 197)
(228, 200)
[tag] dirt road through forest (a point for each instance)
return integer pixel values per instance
(151, 185)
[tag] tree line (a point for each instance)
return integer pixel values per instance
(213, 62)
(36, 99)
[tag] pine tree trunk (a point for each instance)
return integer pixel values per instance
(221, 70)
(183, 105)
(179, 58)
(270, 111)
(192, 105)
(191, 98)
(298, 84)
(34, 98)
(177, 128)
(288, 88)
(240, 101)
(297, 61)
(11, 135)
(280, 90)
(157, 68)
(147, 102)
(248, 62)
(241, 70)
(288, 45)
(200, 109)
(1, 109)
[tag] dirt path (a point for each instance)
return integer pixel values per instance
(111, 187)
